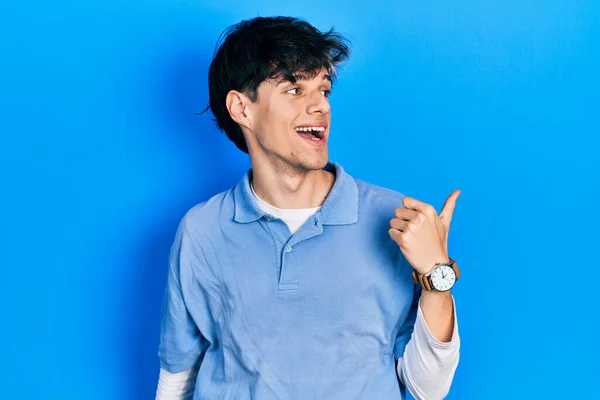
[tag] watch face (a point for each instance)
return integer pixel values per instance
(443, 278)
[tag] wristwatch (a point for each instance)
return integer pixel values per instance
(440, 279)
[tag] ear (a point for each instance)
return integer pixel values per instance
(236, 103)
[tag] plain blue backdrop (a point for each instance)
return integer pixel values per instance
(102, 153)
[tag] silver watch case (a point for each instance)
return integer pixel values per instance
(438, 266)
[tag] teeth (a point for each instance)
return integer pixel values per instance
(312, 128)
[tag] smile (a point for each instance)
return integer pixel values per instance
(315, 135)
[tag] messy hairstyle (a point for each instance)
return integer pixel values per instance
(267, 48)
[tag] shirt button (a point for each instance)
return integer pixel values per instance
(288, 249)
(268, 219)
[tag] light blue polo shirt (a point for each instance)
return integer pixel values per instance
(321, 314)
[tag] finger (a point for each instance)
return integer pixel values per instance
(448, 208)
(399, 224)
(395, 234)
(414, 204)
(405, 213)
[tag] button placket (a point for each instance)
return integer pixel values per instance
(286, 270)
(283, 284)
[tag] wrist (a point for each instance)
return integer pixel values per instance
(435, 295)
(432, 264)
(441, 260)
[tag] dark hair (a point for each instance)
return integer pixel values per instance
(267, 47)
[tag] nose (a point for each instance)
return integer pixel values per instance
(318, 103)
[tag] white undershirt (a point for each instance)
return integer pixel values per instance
(426, 368)
(293, 217)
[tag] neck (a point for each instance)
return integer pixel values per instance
(292, 189)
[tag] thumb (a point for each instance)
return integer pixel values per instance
(448, 209)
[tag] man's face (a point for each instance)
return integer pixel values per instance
(290, 123)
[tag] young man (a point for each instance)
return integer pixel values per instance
(301, 282)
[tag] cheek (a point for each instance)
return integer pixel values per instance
(282, 111)
(274, 130)
(281, 118)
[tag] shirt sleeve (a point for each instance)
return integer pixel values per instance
(407, 327)
(427, 366)
(179, 386)
(181, 342)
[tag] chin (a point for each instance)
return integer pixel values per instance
(314, 163)
(300, 161)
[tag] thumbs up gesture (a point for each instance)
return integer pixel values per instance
(421, 233)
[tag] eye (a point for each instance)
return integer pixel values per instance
(326, 93)
(292, 89)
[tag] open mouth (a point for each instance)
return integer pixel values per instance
(314, 134)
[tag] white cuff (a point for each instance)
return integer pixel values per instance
(179, 386)
(428, 365)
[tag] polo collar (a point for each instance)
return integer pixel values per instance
(340, 207)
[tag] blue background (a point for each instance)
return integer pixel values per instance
(101, 154)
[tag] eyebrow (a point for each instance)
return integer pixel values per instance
(302, 77)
